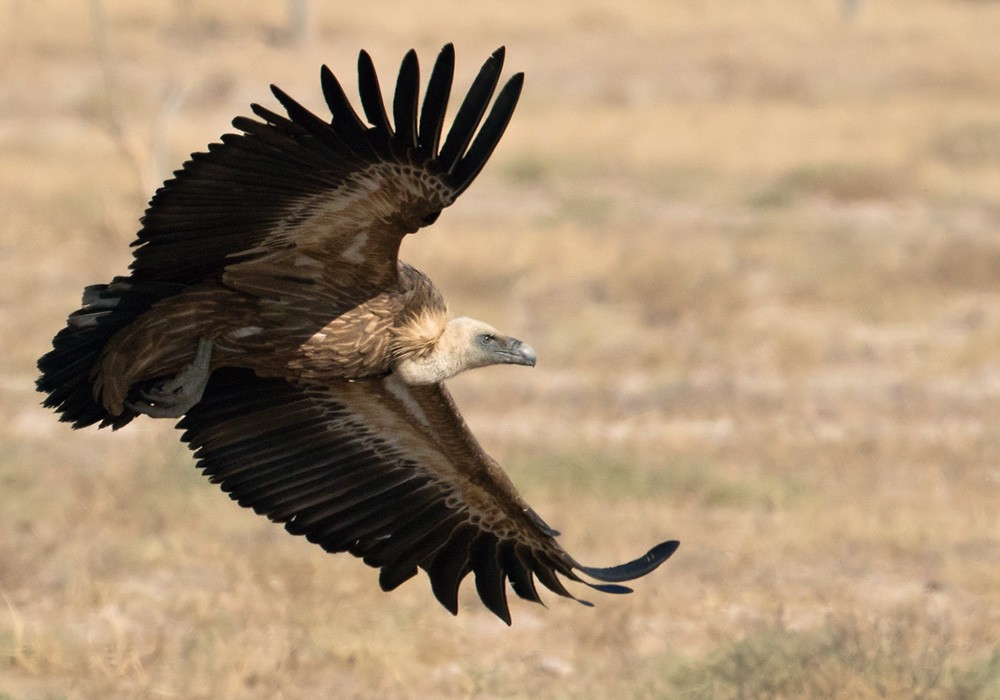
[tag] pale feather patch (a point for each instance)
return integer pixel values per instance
(307, 261)
(244, 332)
(355, 251)
(419, 336)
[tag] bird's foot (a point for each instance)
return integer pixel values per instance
(172, 398)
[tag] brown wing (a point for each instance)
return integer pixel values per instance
(389, 473)
(341, 188)
(306, 212)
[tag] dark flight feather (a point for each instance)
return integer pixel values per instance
(371, 93)
(471, 112)
(489, 136)
(490, 578)
(436, 102)
(345, 121)
(404, 105)
(351, 488)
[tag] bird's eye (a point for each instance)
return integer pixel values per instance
(487, 338)
(430, 218)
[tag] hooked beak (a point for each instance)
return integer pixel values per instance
(517, 353)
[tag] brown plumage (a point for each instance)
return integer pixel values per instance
(266, 304)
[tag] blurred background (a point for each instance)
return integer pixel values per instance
(756, 248)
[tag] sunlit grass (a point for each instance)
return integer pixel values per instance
(907, 653)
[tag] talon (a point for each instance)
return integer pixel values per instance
(174, 397)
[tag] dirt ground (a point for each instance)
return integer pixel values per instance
(756, 248)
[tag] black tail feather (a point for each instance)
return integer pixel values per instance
(76, 349)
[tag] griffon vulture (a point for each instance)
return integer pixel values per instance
(267, 306)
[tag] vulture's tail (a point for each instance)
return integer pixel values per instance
(76, 349)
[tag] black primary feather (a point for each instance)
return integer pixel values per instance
(374, 107)
(404, 105)
(489, 136)
(490, 578)
(633, 569)
(436, 102)
(471, 112)
(344, 120)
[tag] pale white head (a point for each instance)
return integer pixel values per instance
(462, 343)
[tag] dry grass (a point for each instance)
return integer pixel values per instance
(755, 245)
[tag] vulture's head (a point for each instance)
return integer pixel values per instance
(428, 355)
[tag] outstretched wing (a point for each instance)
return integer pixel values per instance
(287, 188)
(390, 473)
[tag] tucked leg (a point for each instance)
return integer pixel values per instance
(173, 398)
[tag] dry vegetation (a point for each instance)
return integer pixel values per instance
(756, 246)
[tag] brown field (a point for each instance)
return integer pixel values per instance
(757, 247)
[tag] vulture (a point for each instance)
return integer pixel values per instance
(266, 307)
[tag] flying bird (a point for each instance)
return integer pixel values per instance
(266, 305)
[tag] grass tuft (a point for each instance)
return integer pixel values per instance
(907, 654)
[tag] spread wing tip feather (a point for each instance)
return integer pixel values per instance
(417, 129)
(521, 568)
(633, 569)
